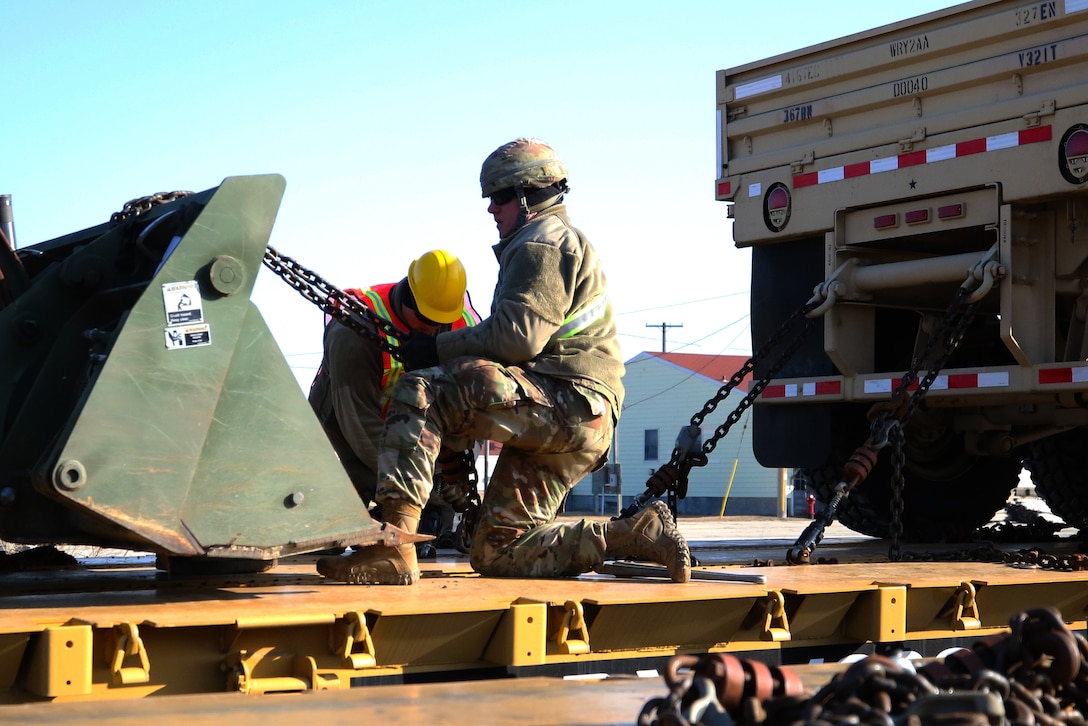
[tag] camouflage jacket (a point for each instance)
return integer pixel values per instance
(550, 312)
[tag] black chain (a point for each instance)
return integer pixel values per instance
(682, 459)
(343, 307)
(756, 388)
(135, 207)
(339, 305)
(888, 420)
(896, 437)
(944, 341)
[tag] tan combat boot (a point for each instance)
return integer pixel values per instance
(378, 564)
(650, 535)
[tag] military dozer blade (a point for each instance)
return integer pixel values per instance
(145, 404)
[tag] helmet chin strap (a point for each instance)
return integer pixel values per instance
(526, 212)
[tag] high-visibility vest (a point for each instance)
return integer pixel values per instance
(377, 299)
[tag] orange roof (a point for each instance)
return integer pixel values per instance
(718, 367)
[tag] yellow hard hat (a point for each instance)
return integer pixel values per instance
(437, 279)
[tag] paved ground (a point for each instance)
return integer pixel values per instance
(702, 532)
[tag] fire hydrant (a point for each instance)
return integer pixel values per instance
(811, 499)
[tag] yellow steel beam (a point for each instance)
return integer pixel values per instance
(297, 632)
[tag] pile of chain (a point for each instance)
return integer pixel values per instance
(718, 688)
(1035, 673)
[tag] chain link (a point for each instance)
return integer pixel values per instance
(334, 302)
(888, 421)
(754, 391)
(897, 437)
(940, 346)
(682, 459)
(1037, 672)
(135, 207)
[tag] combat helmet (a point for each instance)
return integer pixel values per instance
(522, 163)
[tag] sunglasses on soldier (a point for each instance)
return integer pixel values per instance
(503, 196)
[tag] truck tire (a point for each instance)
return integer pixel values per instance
(1059, 468)
(947, 494)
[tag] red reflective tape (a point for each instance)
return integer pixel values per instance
(724, 188)
(1056, 375)
(914, 158)
(806, 180)
(853, 170)
(963, 380)
(825, 388)
(971, 147)
(774, 392)
(918, 158)
(1032, 136)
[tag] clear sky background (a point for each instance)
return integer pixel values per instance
(379, 114)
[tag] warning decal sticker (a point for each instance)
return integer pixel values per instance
(188, 336)
(182, 302)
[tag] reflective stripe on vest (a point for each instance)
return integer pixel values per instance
(579, 321)
(377, 299)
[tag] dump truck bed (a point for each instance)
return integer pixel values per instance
(952, 90)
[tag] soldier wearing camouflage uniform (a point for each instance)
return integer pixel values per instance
(542, 376)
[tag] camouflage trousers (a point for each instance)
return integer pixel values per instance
(553, 433)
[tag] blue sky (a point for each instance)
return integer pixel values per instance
(379, 113)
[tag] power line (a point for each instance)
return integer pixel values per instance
(676, 305)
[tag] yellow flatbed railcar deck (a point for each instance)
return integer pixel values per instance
(117, 631)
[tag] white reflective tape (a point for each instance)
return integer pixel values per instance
(879, 165)
(718, 130)
(754, 190)
(830, 175)
(1080, 373)
(998, 379)
(582, 319)
(761, 86)
(791, 390)
(809, 389)
(878, 385)
(941, 153)
(940, 383)
(1002, 141)
(1075, 6)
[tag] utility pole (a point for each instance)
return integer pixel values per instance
(663, 326)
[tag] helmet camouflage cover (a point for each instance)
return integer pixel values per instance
(521, 163)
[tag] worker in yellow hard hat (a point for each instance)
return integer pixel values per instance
(438, 282)
(354, 384)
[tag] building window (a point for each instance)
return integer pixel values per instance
(650, 445)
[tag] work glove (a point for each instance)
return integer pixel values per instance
(419, 350)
